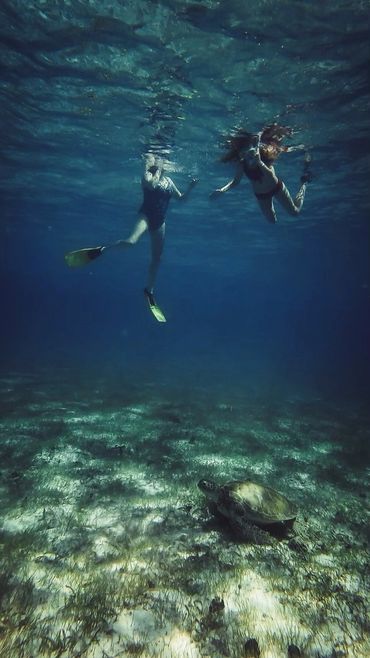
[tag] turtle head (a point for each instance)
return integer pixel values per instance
(209, 488)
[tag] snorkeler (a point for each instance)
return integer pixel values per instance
(254, 155)
(157, 192)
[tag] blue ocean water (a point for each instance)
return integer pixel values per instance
(108, 417)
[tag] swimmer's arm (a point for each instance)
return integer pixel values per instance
(291, 149)
(254, 156)
(182, 196)
(233, 183)
(151, 176)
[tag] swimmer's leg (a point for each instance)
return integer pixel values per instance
(138, 230)
(157, 244)
(268, 210)
(285, 200)
(85, 256)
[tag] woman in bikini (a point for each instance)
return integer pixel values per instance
(254, 156)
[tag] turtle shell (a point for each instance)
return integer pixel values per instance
(255, 503)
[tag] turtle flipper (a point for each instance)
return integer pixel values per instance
(250, 533)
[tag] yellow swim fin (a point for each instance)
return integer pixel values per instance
(157, 312)
(82, 256)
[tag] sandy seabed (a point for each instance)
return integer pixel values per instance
(109, 549)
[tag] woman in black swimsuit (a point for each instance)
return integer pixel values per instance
(254, 156)
(157, 192)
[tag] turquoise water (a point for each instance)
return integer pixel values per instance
(109, 418)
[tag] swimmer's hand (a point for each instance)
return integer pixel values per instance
(215, 194)
(252, 152)
(256, 141)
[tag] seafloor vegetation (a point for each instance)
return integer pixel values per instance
(108, 548)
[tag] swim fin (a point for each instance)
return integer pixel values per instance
(157, 312)
(82, 256)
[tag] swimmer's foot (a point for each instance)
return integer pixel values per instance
(307, 173)
(150, 297)
(306, 177)
(157, 312)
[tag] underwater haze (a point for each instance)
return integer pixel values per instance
(110, 418)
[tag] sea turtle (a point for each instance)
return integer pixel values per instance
(249, 506)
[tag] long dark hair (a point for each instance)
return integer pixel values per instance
(271, 146)
(235, 143)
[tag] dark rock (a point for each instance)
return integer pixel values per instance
(216, 606)
(251, 648)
